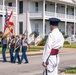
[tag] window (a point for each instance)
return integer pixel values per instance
(20, 7)
(45, 7)
(36, 27)
(20, 27)
(67, 11)
(72, 11)
(10, 4)
(36, 6)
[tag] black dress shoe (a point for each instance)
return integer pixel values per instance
(4, 60)
(13, 61)
(19, 62)
(26, 62)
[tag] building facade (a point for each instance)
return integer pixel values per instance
(33, 15)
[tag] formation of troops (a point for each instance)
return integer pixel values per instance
(14, 44)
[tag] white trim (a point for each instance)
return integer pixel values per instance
(44, 17)
(3, 15)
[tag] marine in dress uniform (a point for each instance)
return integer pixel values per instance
(4, 47)
(53, 44)
(17, 49)
(11, 47)
(24, 48)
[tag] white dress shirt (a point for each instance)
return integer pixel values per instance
(55, 40)
(24, 42)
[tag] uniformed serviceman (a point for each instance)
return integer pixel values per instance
(17, 49)
(53, 44)
(11, 47)
(24, 48)
(4, 47)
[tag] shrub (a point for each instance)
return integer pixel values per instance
(66, 42)
(43, 41)
(65, 36)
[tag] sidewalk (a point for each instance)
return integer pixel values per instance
(62, 51)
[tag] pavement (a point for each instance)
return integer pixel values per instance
(62, 51)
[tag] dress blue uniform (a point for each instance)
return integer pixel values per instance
(54, 43)
(18, 43)
(4, 47)
(24, 49)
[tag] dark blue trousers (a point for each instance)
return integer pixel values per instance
(11, 54)
(17, 55)
(4, 51)
(24, 49)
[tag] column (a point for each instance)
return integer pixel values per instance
(16, 18)
(74, 13)
(55, 9)
(65, 27)
(27, 20)
(44, 17)
(3, 15)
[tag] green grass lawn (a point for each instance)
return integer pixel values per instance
(71, 70)
(32, 48)
(70, 46)
(38, 48)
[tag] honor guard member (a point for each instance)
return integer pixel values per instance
(17, 49)
(4, 47)
(24, 48)
(53, 44)
(11, 47)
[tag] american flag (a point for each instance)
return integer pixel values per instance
(8, 26)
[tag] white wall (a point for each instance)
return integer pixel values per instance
(33, 26)
(70, 12)
(24, 6)
(1, 23)
(32, 6)
(22, 18)
(47, 27)
(75, 11)
(60, 9)
(13, 2)
(1, 2)
(69, 1)
(40, 26)
(49, 7)
(62, 26)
